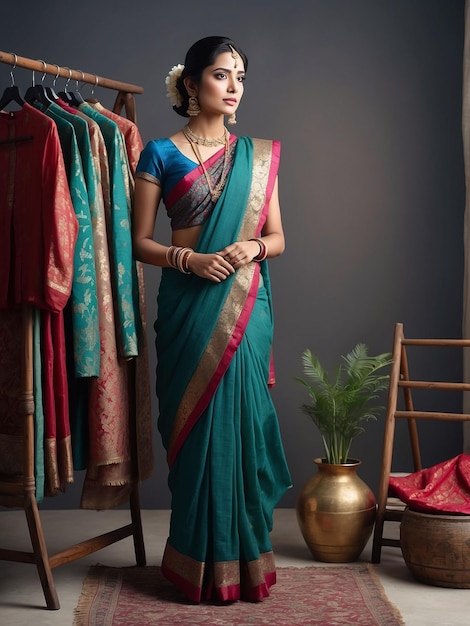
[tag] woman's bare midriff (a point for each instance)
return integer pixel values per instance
(186, 237)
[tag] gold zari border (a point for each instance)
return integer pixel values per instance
(224, 573)
(236, 299)
(149, 177)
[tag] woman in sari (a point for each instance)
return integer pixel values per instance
(227, 468)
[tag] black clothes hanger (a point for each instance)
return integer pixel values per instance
(73, 98)
(50, 90)
(76, 94)
(65, 94)
(11, 93)
(38, 93)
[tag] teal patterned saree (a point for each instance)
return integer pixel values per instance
(217, 419)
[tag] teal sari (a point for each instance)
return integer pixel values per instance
(217, 419)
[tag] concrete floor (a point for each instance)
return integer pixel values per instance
(22, 601)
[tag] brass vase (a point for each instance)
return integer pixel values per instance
(336, 512)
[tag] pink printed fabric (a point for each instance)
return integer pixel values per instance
(443, 488)
(130, 133)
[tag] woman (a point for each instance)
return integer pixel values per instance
(227, 468)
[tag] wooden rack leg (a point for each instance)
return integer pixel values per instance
(40, 552)
(134, 500)
(137, 534)
(40, 556)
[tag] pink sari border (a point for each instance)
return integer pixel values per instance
(229, 593)
(191, 591)
(191, 177)
(258, 593)
(242, 321)
(222, 367)
(272, 373)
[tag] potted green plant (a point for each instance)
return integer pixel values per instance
(339, 406)
(335, 508)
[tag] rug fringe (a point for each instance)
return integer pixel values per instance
(381, 590)
(89, 590)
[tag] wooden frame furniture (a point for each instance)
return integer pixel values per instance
(402, 382)
(19, 491)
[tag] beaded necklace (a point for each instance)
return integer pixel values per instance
(210, 143)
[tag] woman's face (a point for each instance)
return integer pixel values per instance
(221, 86)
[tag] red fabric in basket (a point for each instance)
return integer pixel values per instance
(443, 488)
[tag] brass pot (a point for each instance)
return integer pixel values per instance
(336, 512)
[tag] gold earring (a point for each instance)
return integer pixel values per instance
(193, 107)
(232, 120)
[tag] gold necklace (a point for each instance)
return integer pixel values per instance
(215, 192)
(210, 143)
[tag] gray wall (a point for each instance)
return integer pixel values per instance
(366, 98)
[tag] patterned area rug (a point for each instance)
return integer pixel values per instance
(325, 596)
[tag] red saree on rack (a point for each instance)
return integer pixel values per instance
(38, 231)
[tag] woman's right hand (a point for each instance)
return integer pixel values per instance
(211, 266)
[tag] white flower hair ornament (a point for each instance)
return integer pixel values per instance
(171, 88)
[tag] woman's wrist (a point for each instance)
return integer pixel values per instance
(178, 257)
(263, 250)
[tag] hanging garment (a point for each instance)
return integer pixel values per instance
(107, 458)
(108, 478)
(85, 325)
(38, 227)
(140, 372)
(119, 234)
(57, 437)
(138, 409)
(39, 420)
(79, 387)
(84, 346)
(38, 231)
(130, 133)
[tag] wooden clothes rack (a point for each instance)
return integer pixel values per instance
(125, 96)
(19, 491)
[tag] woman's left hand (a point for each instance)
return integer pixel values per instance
(240, 253)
